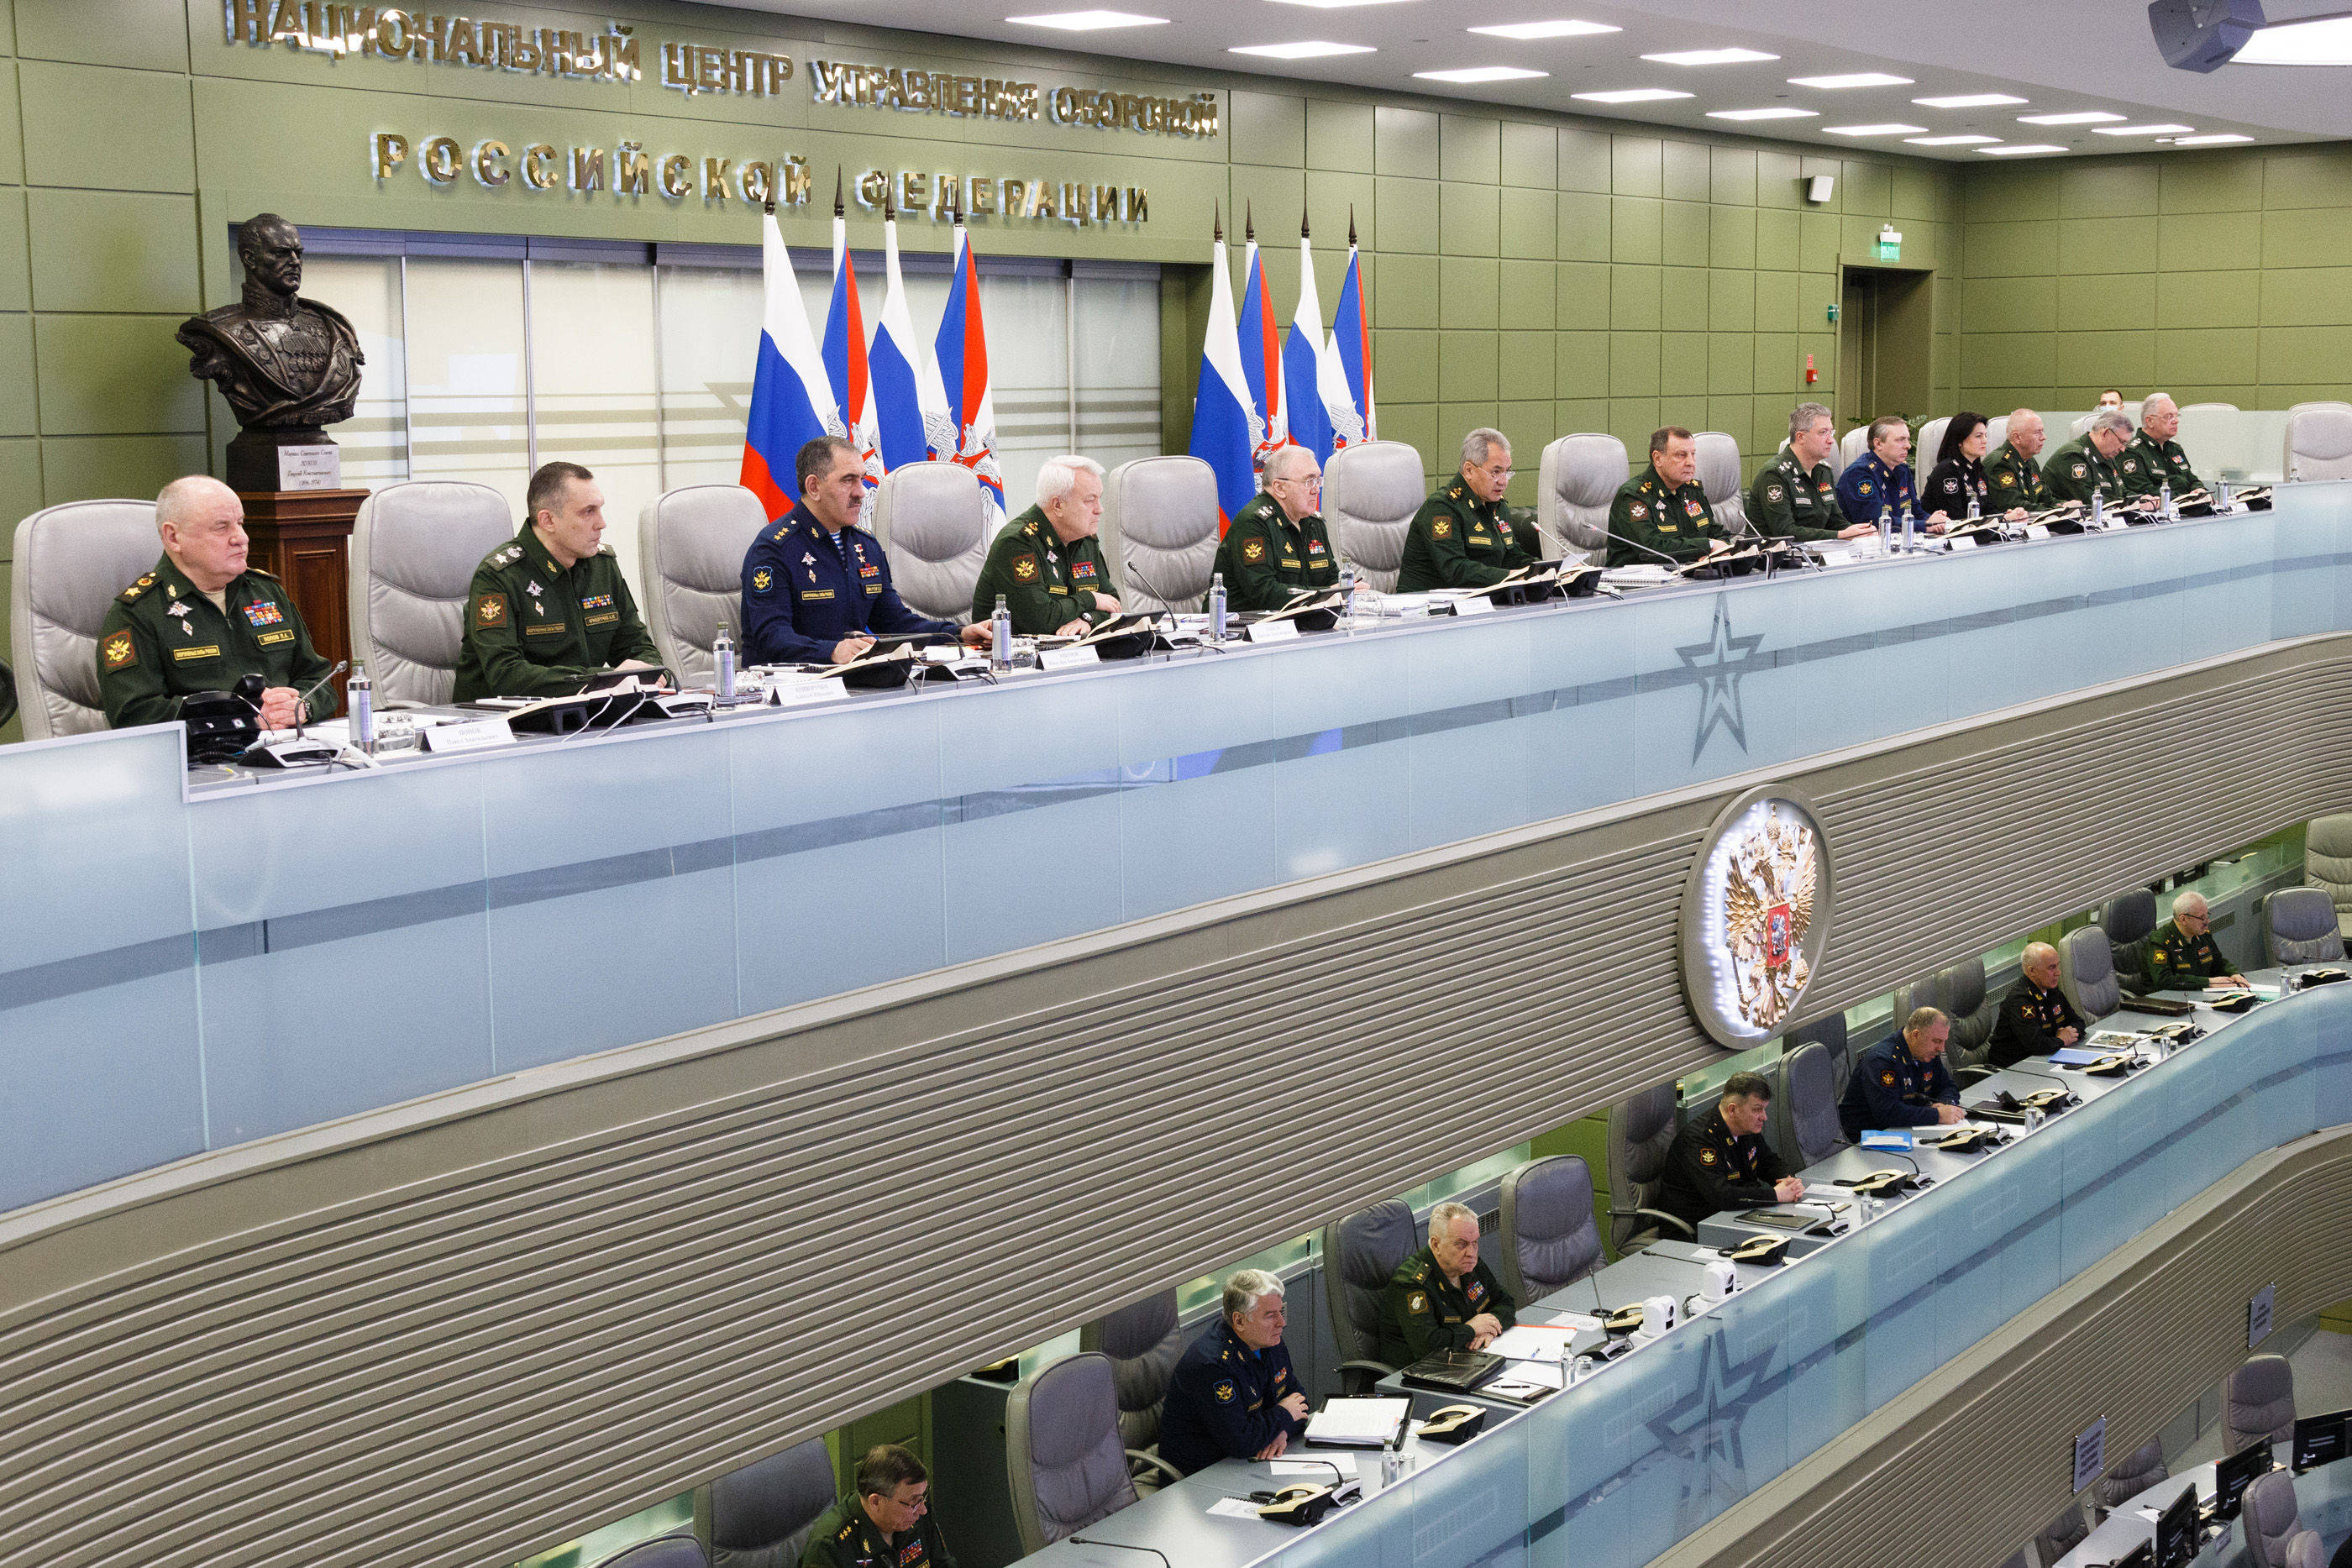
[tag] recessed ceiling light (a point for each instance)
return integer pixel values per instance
(1853, 79)
(2217, 139)
(1763, 114)
(2014, 148)
(1313, 48)
(1089, 21)
(1482, 73)
(1633, 95)
(1710, 57)
(1971, 100)
(1525, 31)
(1334, 5)
(1952, 141)
(2142, 130)
(2323, 41)
(2080, 117)
(1890, 129)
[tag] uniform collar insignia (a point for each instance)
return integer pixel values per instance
(178, 608)
(807, 559)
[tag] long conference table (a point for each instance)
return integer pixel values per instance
(1647, 1447)
(158, 919)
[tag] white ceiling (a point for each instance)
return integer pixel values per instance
(2062, 55)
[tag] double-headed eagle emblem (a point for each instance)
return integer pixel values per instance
(1768, 893)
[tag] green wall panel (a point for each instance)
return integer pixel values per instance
(1580, 364)
(20, 494)
(2106, 303)
(1340, 136)
(77, 132)
(2204, 299)
(1468, 367)
(12, 137)
(1731, 302)
(1530, 155)
(1636, 166)
(114, 375)
(1267, 127)
(1634, 228)
(1526, 295)
(1633, 365)
(1405, 369)
(1683, 298)
(16, 261)
(1408, 293)
(2211, 182)
(1731, 175)
(1407, 214)
(1469, 292)
(2307, 297)
(2307, 177)
(1404, 142)
(1583, 226)
(1530, 222)
(1586, 159)
(1526, 369)
(1470, 149)
(150, 34)
(82, 468)
(1471, 219)
(1633, 296)
(113, 251)
(1686, 171)
(18, 415)
(1583, 299)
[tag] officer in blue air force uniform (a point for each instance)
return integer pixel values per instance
(1233, 1394)
(816, 584)
(1881, 478)
(1901, 1080)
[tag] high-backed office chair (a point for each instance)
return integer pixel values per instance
(661, 1552)
(1641, 1130)
(1718, 475)
(1930, 442)
(2081, 423)
(2327, 861)
(1143, 1343)
(1829, 1031)
(1853, 444)
(692, 542)
(1159, 516)
(1996, 431)
(1061, 1454)
(2261, 1402)
(1361, 1251)
(2295, 408)
(70, 562)
(1958, 992)
(1550, 1236)
(2273, 1522)
(760, 1516)
(2128, 1480)
(2299, 927)
(1803, 1124)
(934, 522)
(1578, 477)
(1370, 491)
(2318, 443)
(2128, 918)
(2062, 1534)
(2209, 407)
(2086, 973)
(415, 547)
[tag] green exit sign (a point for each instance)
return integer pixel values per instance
(1890, 244)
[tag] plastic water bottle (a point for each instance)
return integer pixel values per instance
(723, 654)
(1389, 1468)
(1348, 591)
(1976, 506)
(1909, 540)
(2221, 495)
(1217, 608)
(2099, 508)
(1886, 526)
(2163, 501)
(360, 692)
(1000, 636)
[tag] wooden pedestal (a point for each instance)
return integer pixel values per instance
(304, 538)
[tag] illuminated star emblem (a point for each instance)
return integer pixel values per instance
(1726, 659)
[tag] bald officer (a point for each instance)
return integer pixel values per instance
(1234, 1395)
(1462, 538)
(2013, 470)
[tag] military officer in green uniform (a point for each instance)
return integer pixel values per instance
(2153, 459)
(2182, 953)
(1721, 1161)
(1278, 546)
(1462, 537)
(1664, 508)
(201, 620)
(886, 1522)
(548, 609)
(2011, 470)
(1048, 564)
(1443, 1297)
(1795, 494)
(2087, 463)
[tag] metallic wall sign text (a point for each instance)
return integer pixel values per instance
(390, 33)
(917, 91)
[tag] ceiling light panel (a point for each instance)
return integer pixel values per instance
(1710, 57)
(1527, 32)
(1852, 79)
(1311, 49)
(1889, 130)
(1089, 21)
(2015, 148)
(1952, 141)
(1336, 4)
(1971, 100)
(1633, 95)
(2323, 41)
(2221, 140)
(2142, 129)
(1481, 73)
(2080, 116)
(1763, 114)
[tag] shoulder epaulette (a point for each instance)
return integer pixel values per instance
(257, 571)
(503, 555)
(778, 537)
(604, 549)
(131, 594)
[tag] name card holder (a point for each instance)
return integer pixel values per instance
(1271, 630)
(473, 735)
(1071, 658)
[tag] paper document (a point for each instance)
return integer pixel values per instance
(1532, 1341)
(1527, 1380)
(1344, 1463)
(1233, 1508)
(1359, 1423)
(1580, 1321)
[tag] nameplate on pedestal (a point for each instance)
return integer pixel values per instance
(2037, 531)
(474, 735)
(1069, 658)
(309, 468)
(1473, 604)
(1966, 541)
(1271, 630)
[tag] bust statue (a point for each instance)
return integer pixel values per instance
(287, 365)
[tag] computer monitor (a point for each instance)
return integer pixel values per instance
(2234, 1474)
(2177, 1531)
(2140, 1556)
(2321, 1439)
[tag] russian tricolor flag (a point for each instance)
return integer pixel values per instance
(844, 347)
(1261, 349)
(910, 407)
(1302, 363)
(962, 347)
(1346, 378)
(792, 397)
(1224, 428)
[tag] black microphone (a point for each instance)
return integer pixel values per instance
(248, 690)
(1678, 565)
(1123, 1546)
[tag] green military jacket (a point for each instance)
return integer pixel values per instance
(537, 630)
(1786, 502)
(1678, 523)
(2016, 481)
(2176, 961)
(2147, 466)
(1045, 582)
(1266, 557)
(162, 640)
(1457, 541)
(2075, 469)
(1423, 1311)
(845, 1536)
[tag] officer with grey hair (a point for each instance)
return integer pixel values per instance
(2154, 458)
(1234, 1395)
(1795, 494)
(1048, 564)
(1443, 1297)
(2182, 955)
(1462, 537)
(2087, 463)
(1903, 1081)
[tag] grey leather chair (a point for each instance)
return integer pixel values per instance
(2209, 407)
(70, 562)
(414, 550)
(661, 1552)
(2128, 1480)
(1063, 1458)
(2299, 927)
(1829, 1031)
(1578, 478)
(2128, 918)
(2318, 443)
(1551, 1236)
(1853, 444)
(1159, 524)
(1640, 1130)
(2086, 973)
(1996, 431)
(1718, 475)
(2062, 1534)
(2273, 1522)
(692, 542)
(1360, 1252)
(2294, 408)
(1930, 442)
(1370, 492)
(935, 521)
(1144, 1344)
(2327, 861)
(1803, 1125)
(760, 1516)
(1958, 992)
(2261, 1402)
